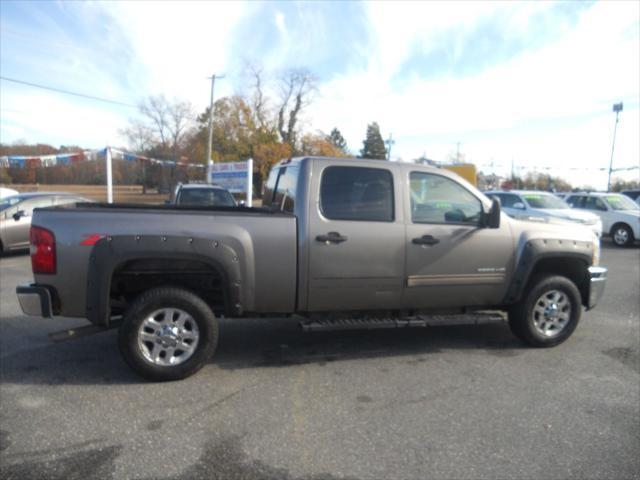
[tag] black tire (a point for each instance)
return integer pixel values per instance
(622, 235)
(157, 299)
(522, 317)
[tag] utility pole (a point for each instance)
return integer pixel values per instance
(213, 82)
(390, 141)
(617, 108)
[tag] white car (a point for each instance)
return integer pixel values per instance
(620, 215)
(545, 207)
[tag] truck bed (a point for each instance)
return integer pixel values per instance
(93, 240)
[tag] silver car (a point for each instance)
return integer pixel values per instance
(16, 212)
(536, 206)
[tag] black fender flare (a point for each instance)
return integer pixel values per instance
(110, 253)
(536, 250)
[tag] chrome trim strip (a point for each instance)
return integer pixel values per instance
(460, 279)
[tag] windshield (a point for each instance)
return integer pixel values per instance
(205, 197)
(544, 200)
(621, 202)
(9, 201)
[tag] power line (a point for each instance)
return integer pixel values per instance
(67, 92)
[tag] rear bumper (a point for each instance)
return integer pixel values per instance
(35, 300)
(598, 279)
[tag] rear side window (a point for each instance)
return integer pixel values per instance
(269, 187)
(594, 203)
(357, 193)
(575, 201)
(280, 189)
(286, 186)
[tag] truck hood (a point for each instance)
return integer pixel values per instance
(526, 230)
(568, 215)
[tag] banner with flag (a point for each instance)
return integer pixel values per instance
(34, 161)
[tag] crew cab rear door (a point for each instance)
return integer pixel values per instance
(356, 237)
(452, 261)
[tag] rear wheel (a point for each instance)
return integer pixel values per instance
(549, 312)
(168, 334)
(622, 235)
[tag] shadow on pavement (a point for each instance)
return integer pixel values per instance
(254, 343)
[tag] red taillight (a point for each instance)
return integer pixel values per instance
(43, 250)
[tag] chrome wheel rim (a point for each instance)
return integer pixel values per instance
(621, 236)
(168, 337)
(551, 313)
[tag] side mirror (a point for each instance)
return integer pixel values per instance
(19, 214)
(519, 206)
(242, 203)
(492, 217)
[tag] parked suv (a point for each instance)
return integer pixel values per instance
(544, 207)
(620, 215)
(633, 195)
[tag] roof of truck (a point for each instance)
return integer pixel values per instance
(355, 161)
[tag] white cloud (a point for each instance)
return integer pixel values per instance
(37, 116)
(178, 43)
(544, 107)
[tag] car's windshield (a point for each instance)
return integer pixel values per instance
(9, 201)
(205, 197)
(621, 202)
(544, 200)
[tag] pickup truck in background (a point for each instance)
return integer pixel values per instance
(341, 243)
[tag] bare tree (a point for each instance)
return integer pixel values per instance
(156, 110)
(167, 123)
(259, 100)
(297, 87)
(139, 136)
(180, 119)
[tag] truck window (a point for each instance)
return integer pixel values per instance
(356, 193)
(438, 199)
(270, 187)
(285, 190)
(576, 201)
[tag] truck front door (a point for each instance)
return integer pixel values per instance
(356, 238)
(452, 261)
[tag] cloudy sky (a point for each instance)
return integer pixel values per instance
(514, 82)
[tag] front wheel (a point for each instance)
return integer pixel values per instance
(549, 312)
(622, 235)
(168, 334)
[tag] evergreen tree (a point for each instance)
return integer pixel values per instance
(373, 146)
(338, 141)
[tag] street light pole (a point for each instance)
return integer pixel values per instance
(617, 108)
(390, 141)
(210, 139)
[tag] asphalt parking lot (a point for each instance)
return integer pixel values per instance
(276, 403)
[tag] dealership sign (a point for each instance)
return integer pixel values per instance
(237, 177)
